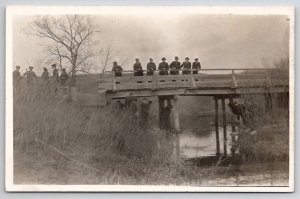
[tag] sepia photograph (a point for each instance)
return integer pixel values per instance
(149, 99)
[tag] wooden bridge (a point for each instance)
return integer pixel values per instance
(221, 84)
(208, 82)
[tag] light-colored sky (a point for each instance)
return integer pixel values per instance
(220, 41)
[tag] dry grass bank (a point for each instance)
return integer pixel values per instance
(57, 142)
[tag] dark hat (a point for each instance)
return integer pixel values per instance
(176, 57)
(18, 66)
(114, 62)
(196, 59)
(30, 67)
(151, 59)
(163, 58)
(187, 58)
(136, 59)
(53, 65)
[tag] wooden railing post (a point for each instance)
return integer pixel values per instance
(154, 80)
(233, 79)
(176, 113)
(192, 80)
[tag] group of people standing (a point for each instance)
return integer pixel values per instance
(31, 76)
(163, 67)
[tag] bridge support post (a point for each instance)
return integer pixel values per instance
(233, 134)
(268, 102)
(224, 126)
(217, 126)
(161, 102)
(176, 113)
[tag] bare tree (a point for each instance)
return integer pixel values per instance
(70, 38)
(108, 55)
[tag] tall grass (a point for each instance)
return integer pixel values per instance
(50, 117)
(105, 141)
(268, 115)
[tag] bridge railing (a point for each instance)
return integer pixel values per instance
(206, 78)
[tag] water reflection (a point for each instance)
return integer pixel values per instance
(195, 144)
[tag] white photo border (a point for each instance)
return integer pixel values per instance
(12, 11)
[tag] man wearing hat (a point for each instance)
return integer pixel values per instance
(175, 66)
(151, 67)
(55, 75)
(16, 76)
(196, 66)
(137, 67)
(163, 67)
(30, 75)
(45, 74)
(117, 69)
(186, 66)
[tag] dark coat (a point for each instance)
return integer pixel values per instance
(186, 66)
(163, 67)
(45, 75)
(64, 76)
(138, 69)
(175, 65)
(16, 74)
(118, 70)
(196, 65)
(16, 77)
(30, 76)
(55, 74)
(151, 66)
